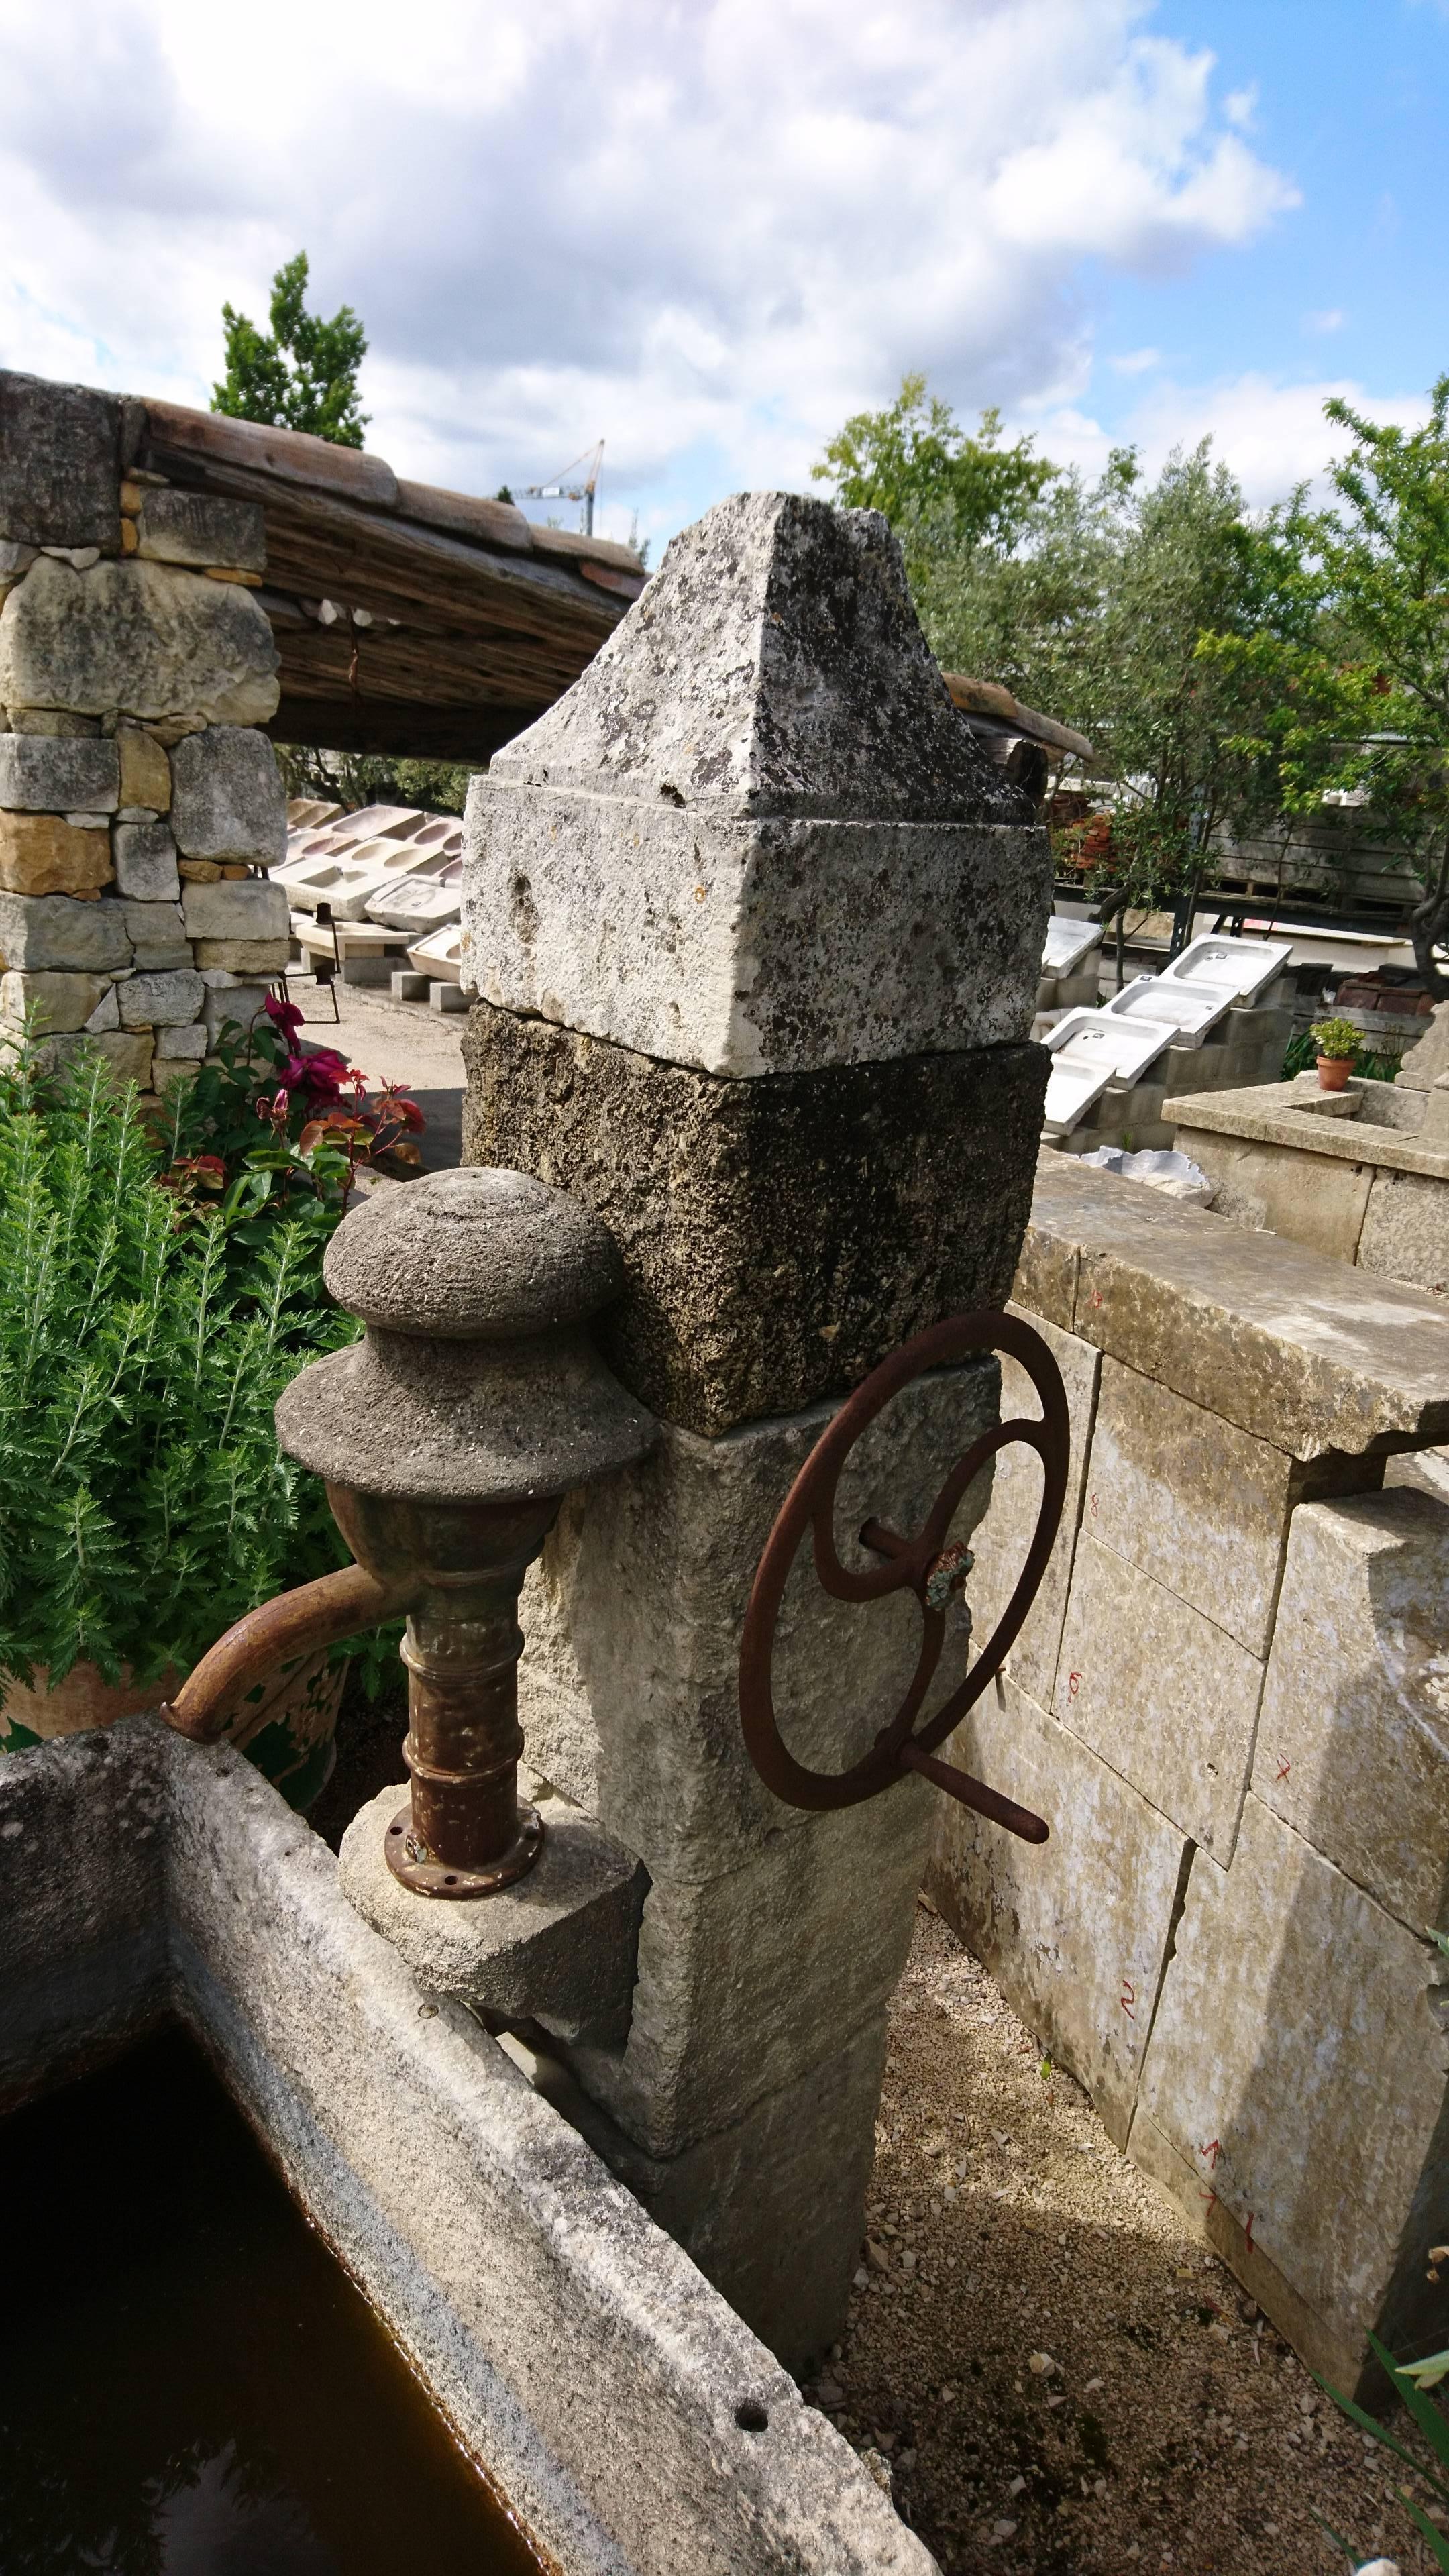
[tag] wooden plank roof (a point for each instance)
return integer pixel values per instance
(408, 619)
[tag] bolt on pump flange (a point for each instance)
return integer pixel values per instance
(448, 1437)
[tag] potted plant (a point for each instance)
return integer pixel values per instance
(153, 1304)
(1339, 1047)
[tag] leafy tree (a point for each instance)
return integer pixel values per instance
(305, 375)
(372, 778)
(915, 462)
(1359, 687)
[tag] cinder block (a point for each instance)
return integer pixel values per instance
(1353, 1743)
(408, 986)
(1075, 1931)
(1001, 1542)
(1297, 2071)
(1161, 1693)
(447, 997)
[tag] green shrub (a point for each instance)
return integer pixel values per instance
(1337, 1038)
(144, 1339)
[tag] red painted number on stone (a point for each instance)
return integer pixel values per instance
(1128, 1999)
(1074, 1684)
(1212, 2151)
(1283, 1770)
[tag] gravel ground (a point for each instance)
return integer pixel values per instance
(1061, 2379)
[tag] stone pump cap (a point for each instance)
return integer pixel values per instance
(476, 1380)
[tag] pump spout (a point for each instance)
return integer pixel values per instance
(294, 1623)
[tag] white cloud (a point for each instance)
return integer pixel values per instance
(1331, 320)
(1240, 107)
(1136, 362)
(1272, 436)
(704, 231)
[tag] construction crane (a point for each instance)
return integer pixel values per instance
(561, 490)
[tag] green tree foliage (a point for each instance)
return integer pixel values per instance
(304, 376)
(916, 463)
(354, 778)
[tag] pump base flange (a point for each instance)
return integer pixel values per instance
(410, 1860)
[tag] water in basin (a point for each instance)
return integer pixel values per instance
(192, 2386)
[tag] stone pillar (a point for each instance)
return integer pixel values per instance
(137, 803)
(756, 931)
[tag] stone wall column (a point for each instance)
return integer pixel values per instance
(756, 933)
(139, 807)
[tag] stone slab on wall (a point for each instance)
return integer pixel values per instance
(1005, 1534)
(1165, 1696)
(1195, 1502)
(1307, 1198)
(1295, 1349)
(1353, 1744)
(780, 1236)
(1298, 2069)
(1075, 1931)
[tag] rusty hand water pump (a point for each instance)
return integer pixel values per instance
(447, 1438)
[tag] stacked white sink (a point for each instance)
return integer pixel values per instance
(1209, 1022)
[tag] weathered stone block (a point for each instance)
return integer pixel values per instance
(180, 1044)
(1005, 1534)
(1405, 1230)
(161, 1000)
(140, 638)
(556, 1948)
(1162, 1694)
(145, 857)
(241, 908)
(59, 1002)
(1297, 2069)
(57, 774)
(180, 527)
(779, 1236)
(772, 2209)
(749, 1980)
(232, 1001)
(629, 1686)
(126, 1053)
(107, 1013)
(1075, 1931)
(44, 854)
(756, 836)
(59, 464)
(1424, 1062)
(145, 770)
(1308, 1198)
(227, 800)
(43, 932)
(1353, 1742)
(245, 956)
(1197, 1503)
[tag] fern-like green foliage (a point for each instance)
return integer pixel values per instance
(144, 1504)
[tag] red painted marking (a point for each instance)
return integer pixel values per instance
(1283, 1770)
(1094, 1507)
(1128, 1999)
(1096, 1297)
(1212, 2151)
(1248, 2231)
(1074, 1684)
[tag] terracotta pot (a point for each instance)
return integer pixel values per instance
(286, 1725)
(1333, 1072)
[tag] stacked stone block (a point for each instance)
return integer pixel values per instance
(1229, 1702)
(139, 805)
(758, 933)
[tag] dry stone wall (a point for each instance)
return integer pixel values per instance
(139, 806)
(1231, 1702)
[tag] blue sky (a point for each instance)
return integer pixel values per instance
(708, 229)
